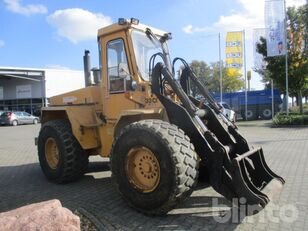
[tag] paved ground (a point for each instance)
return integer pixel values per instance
(286, 150)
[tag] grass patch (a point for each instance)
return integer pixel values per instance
(292, 119)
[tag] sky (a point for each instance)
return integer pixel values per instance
(55, 33)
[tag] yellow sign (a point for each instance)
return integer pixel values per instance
(234, 53)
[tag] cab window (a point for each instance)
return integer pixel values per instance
(118, 72)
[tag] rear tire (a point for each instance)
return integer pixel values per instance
(61, 157)
(154, 166)
(14, 123)
(266, 114)
(35, 121)
(250, 115)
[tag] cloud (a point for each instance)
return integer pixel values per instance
(250, 15)
(1, 43)
(16, 6)
(189, 29)
(77, 24)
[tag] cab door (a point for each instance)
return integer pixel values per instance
(117, 76)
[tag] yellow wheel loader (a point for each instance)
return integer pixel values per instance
(158, 137)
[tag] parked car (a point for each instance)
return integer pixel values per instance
(15, 118)
(227, 111)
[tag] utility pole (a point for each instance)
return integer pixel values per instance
(286, 48)
(220, 68)
(245, 73)
(272, 91)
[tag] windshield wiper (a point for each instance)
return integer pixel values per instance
(152, 37)
(162, 44)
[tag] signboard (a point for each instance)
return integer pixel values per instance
(23, 91)
(234, 53)
(259, 62)
(275, 29)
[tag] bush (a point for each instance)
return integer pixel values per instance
(291, 119)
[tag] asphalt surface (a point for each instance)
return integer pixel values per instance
(286, 151)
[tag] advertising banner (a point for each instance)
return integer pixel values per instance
(259, 62)
(275, 29)
(234, 53)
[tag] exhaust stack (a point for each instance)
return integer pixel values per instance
(87, 68)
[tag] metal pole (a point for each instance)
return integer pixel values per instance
(273, 109)
(245, 74)
(220, 68)
(286, 48)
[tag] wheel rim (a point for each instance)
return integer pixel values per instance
(52, 153)
(142, 169)
(267, 113)
(249, 114)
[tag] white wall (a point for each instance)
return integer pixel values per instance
(57, 81)
(62, 81)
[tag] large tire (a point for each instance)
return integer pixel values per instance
(61, 157)
(154, 166)
(250, 115)
(266, 114)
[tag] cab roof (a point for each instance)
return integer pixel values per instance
(117, 27)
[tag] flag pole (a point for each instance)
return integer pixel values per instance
(286, 48)
(272, 92)
(245, 74)
(220, 68)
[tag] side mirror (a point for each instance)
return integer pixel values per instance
(123, 70)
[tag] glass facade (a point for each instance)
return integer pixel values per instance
(32, 106)
(22, 90)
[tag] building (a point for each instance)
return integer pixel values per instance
(28, 89)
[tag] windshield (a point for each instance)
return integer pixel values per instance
(144, 48)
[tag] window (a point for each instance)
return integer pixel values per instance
(118, 72)
(144, 48)
(25, 114)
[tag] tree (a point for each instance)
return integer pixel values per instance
(210, 76)
(297, 56)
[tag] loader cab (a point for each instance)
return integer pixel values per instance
(125, 52)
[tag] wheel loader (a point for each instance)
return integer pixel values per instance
(160, 139)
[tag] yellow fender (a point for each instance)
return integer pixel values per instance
(83, 120)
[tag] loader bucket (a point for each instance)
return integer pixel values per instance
(241, 175)
(252, 182)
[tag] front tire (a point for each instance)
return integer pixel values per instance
(154, 166)
(61, 157)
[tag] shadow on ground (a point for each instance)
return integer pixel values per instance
(94, 193)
